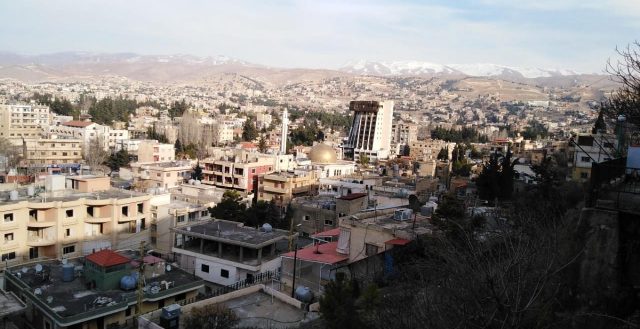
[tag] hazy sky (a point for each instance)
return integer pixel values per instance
(573, 34)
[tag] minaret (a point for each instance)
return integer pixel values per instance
(285, 132)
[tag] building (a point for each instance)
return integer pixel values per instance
(163, 175)
(72, 217)
(283, 186)
(52, 151)
(98, 290)
(239, 170)
(324, 160)
(22, 121)
(225, 252)
(154, 151)
(404, 134)
(83, 130)
(370, 132)
(117, 137)
(590, 148)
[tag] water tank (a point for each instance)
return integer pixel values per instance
(31, 190)
(13, 195)
(267, 227)
(304, 294)
(428, 209)
(192, 182)
(68, 272)
(128, 282)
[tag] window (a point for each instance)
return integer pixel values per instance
(67, 232)
(180, 219)
(306, 217)
(64, 154)
(224, 273)
(33, 252)
(584, 175)
(69, 213)
(90, 211)
(125, 211)
(204, 268)
(140, 208)
(371, 249)
(9, 256)
(168, 174)
(8, 237)
(8, 218)
(328, 222)
(585, 159)
(68, 249)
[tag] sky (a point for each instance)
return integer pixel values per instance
(570, 34)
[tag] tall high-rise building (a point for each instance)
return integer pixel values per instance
(370, 133)
(285, 132)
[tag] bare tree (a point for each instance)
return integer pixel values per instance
(95, 154)
(626, 71)
(12, 153)
(189, 131)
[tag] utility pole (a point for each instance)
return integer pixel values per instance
(140, 291)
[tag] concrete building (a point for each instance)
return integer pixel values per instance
(83, 130)
(324, 160)
(370, 132)
(117, 137)
(239, 170)
(52, 151)
(284, 185)
(590, 148)
(94, 292)
(72, 217)
(163, 175)
(154, 151)
(225, 252)
(22, 121)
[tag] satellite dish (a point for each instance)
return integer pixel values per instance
(38, 268)
(64, 261)
(38, 291)
(25, 270)
(189, 228)
(168, 268)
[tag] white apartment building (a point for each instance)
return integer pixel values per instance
(84, 130)
(370, 133)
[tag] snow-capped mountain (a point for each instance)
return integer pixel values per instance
(427, 68)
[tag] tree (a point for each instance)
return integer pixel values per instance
(496, 178)
(625, 71)
(338, 305)
(443, 154)
(178, 146)
(178, 108)
(211, 316)
(249, 130)
(153, 134)
(262, 144)
(118, 160)
(262, 212)
(230, 207)
(197, 172)
(364, 160)
(95, 154)
(12, 153)
(599, 125)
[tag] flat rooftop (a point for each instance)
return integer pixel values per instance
(233, 233)
(73, 300)
(70, 195)
(257, 311)
(10, 304)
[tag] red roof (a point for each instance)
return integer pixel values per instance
(77, 123)
(107, 258)
(326, 254)
(398, 242)
(327, 233)
(352, 196)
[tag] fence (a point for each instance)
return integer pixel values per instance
(259, 278)
(613, 182)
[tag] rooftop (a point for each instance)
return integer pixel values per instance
(77, 123)
(106, 258)
(324, 253)
(352, 196)
(232, 233)
(70, 195)
(72, 302)
(10, 304)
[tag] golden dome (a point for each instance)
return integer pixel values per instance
(322, 153)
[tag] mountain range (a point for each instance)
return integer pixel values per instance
(75, 65)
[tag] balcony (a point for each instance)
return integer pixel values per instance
(97, 220)
(272, 189)
(43, 223)
(36, 241)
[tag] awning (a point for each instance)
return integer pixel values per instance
(398, 242)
